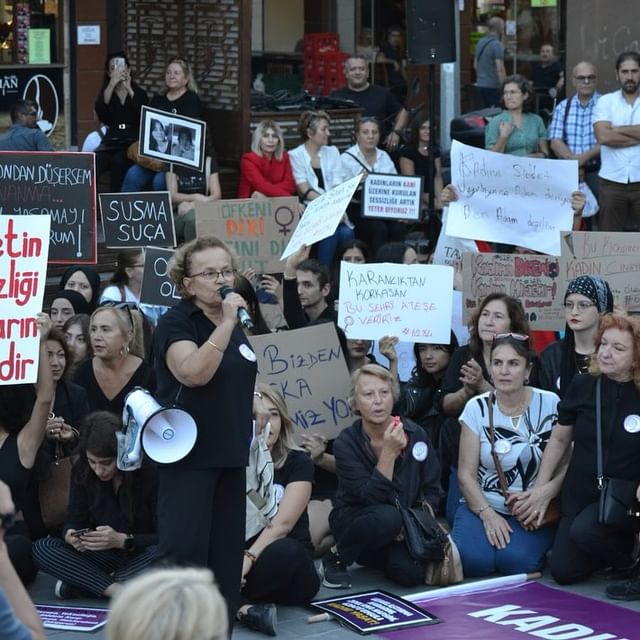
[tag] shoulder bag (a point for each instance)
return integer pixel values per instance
(618, 506)
(133, 153)
(552, 514)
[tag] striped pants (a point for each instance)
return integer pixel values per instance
(91, 571)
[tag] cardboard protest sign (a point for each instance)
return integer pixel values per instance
(60, 185)
(157, 287)
(396, 300)
(256, 230)
(308, 367)
(24, 242)
(392, 197)
(532, 279)
(136, 220)
(322, 216)
(510, 199)
(615, 257)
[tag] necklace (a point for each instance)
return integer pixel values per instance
(516, 411)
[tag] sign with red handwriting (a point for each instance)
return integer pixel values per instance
(24, 247)
(412, 302)
(308, 368)
(615, 257)
(255, 229)
(531, 278)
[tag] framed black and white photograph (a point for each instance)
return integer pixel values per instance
(172, 138)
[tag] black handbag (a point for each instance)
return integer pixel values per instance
(618, 506)
(423, 535)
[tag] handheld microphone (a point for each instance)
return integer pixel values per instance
(243, 314)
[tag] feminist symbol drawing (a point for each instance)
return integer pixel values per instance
(285, 225)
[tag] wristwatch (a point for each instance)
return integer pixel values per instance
(129, 542)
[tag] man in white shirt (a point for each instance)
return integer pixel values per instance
(617, 127)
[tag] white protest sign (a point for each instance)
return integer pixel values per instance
(511, 199)
(412, 302)
(449, 249)
(24, 249)
(393, 197)
(322, 216)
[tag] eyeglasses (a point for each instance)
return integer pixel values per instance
(214, 274)
(590, 78)
(368, 119)
(510, 336)
(580, 306)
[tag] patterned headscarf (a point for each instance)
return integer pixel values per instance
(594, 288)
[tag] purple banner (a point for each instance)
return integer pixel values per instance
(72, 618)
(529, 610)
(375, 611)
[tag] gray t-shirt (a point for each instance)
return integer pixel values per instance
(488, 50)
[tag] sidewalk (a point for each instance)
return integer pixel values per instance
(292, 621)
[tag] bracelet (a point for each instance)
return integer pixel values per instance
(250, 555)
(481, 509)
(215, 346)
(306, 193)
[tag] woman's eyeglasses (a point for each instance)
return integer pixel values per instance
(128, 306)
(214, 274)
(580, 306)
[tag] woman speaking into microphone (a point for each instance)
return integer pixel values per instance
(205, 365)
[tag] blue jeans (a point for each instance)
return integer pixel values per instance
(524, 553)
(454, 496)
(327, 247)
(137, 178)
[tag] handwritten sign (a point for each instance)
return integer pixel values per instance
(511, 199)
(532, 279)
(137, 220)
(449, 250)
(322, 216)
(307, 366)
(157, 287)
(615, 257)
(400, 300)
(392, 197)
(256, 230)
(60, 185)
(24, 243)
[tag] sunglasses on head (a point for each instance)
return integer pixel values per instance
(510, 336)
(128, 306)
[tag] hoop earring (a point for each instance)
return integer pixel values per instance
(124, 350)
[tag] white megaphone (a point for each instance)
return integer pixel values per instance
(166, 434)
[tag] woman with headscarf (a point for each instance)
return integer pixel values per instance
(84, 280)
(586, 300)
(66, 304)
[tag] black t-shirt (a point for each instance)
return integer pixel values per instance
(420, 163)
(188, 104)
(621, 448)
(376, 102)
(546, 77)
(122, 120)
(223, 407)
(192, 181)
(297, 468)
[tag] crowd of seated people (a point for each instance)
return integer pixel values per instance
(429, 439)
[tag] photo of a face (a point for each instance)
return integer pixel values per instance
(160, 136)
(183, 143)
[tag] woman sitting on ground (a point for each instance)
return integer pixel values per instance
(117, 365)
(110, 531)
(513, 424)
(278, 565)
(378, 459)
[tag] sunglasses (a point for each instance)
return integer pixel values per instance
(511, 336)
(128, 306)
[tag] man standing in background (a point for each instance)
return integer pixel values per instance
(489, 63)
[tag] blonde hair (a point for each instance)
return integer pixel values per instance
(310, 120)
(260, 130)
(129, 321)
(377, 371)
(169, 604)
(285, 441)
(186, 69)
(180, 262)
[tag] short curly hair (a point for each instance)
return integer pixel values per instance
(377, 371)
(180, 263)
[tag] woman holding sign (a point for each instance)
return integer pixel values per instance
(516, 131)
(364, 158)
(316, 169)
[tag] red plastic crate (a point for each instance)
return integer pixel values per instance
(333, 70)
(316, 45)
